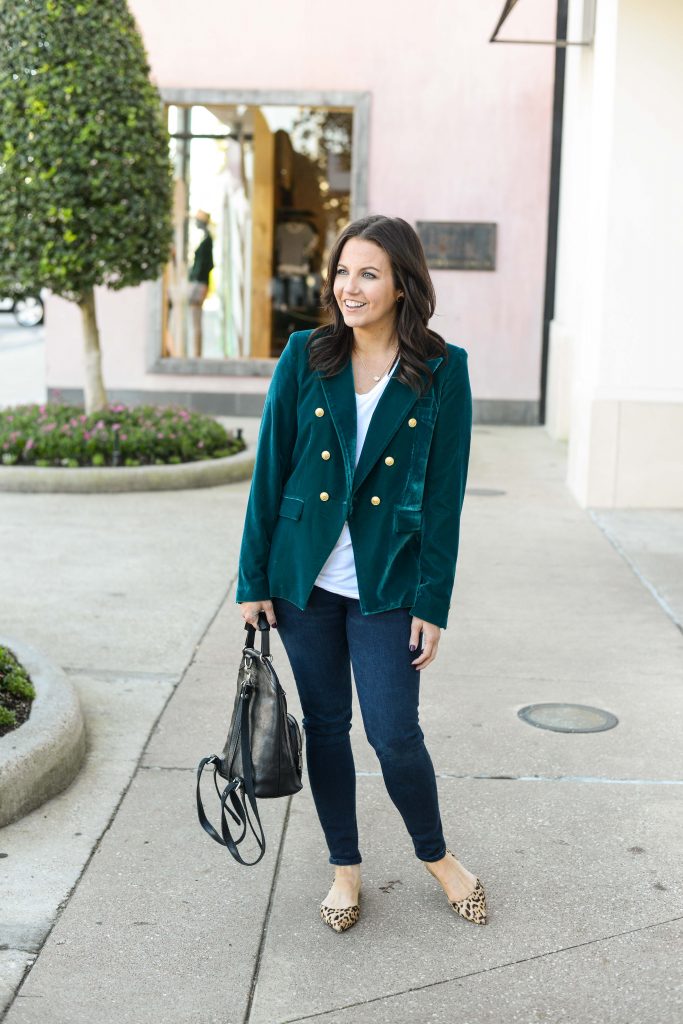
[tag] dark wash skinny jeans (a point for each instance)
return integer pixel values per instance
(322, 643)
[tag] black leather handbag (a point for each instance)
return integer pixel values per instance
(262, 755)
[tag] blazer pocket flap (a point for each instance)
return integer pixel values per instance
(290, 507)
(426, 408)
(407, 520)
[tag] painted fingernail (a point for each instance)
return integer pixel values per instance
(275, 625)
(412, 647)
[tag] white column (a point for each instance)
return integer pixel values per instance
(616, 345)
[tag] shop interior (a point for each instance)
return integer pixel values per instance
(260, 194)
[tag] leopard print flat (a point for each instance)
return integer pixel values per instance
(473, 906)
(340, 918)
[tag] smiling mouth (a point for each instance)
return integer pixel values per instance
(354, 305)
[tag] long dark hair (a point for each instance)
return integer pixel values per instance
(330, 346)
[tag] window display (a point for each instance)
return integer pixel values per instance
(260, 194)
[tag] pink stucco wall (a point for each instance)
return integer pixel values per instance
(459, 130)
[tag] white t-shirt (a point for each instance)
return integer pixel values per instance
(339, 571)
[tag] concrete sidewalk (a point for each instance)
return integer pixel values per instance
(576, 837)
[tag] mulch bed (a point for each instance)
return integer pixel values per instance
(20, 706)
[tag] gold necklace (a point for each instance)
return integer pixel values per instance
(374, 376)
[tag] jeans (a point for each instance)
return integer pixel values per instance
(322, 643)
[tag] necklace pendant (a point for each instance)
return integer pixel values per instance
(376, 378)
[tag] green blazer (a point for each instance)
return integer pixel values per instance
(402, 502)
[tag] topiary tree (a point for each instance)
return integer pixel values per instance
(85, 174)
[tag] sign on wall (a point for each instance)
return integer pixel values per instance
(456, 245)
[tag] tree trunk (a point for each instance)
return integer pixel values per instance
(95, 395)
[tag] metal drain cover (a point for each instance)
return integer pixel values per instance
(568, 717)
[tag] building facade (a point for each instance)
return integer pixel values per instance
(284, 123)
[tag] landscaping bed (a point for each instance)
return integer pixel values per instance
(16, 692)
(41, 754)
(61, 435)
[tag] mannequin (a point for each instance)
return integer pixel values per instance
(199, 277)
(296, 242)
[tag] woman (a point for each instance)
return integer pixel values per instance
(351, 537)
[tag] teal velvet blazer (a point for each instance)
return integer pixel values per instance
(402, 502)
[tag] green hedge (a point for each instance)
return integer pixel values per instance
(16, 691)
(56, 434)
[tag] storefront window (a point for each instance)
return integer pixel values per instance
(260, 194)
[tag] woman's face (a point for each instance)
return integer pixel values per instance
(364, 286)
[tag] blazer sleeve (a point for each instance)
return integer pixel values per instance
(444, 493)
(275, 445)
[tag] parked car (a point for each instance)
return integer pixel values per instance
(28, 310)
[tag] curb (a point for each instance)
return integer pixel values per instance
(105, 480)
(40, 758)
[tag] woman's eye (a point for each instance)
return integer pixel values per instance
(366, 273)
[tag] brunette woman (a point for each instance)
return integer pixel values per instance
(351, 538)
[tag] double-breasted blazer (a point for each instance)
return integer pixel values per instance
(402, 501)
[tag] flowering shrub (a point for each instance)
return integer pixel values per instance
(16, 692)
(56, 434)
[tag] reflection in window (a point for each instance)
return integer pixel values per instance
(260, 195)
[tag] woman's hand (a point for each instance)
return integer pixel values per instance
(431, 636)
(250, 610)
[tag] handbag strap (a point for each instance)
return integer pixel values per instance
(264, 629)
(231, 792)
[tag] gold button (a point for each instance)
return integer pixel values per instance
(375, 500)
(412, 422)
(324, 496)
(389, 461)
(319, 411)
(325, 455)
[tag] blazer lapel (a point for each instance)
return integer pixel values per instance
(395, 401)
(341, 400)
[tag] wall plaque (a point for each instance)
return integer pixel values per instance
(455, 245)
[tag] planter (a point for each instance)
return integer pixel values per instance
(41, 757)
(101, 480)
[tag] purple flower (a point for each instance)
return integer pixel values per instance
(29, 444)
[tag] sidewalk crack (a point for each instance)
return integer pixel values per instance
(473, 974)
(601, 779)
(267, 916)
(18, 989)
(659, 598)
